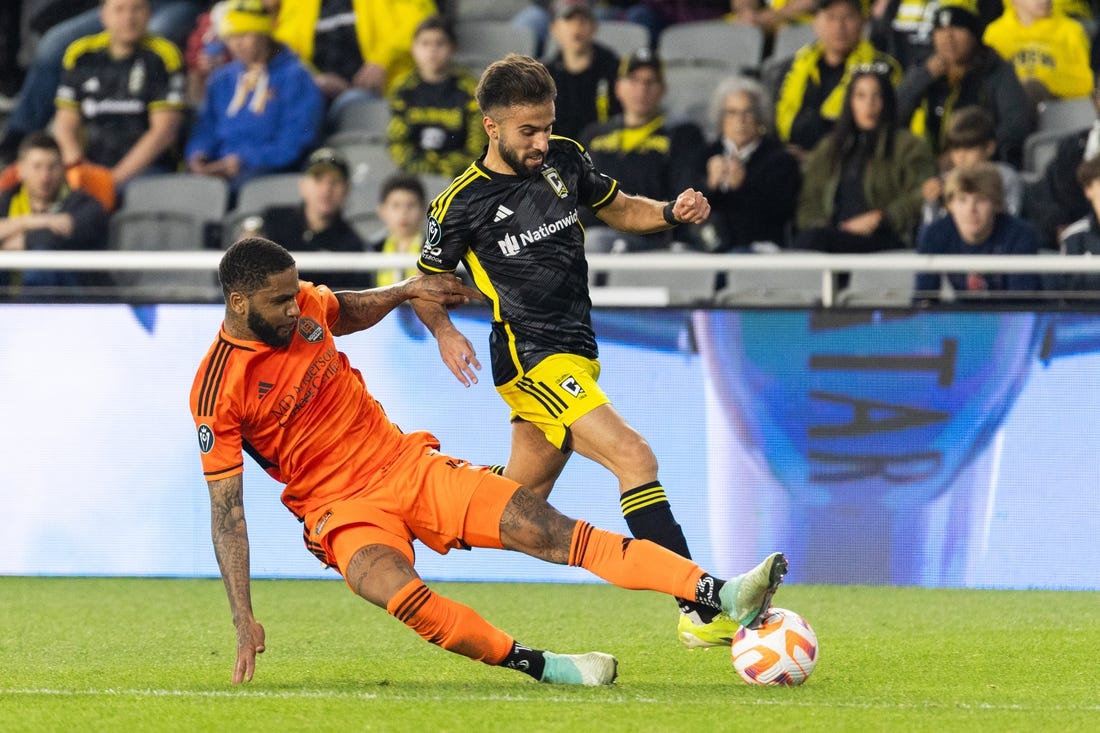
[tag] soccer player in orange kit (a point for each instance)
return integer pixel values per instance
(274, 385)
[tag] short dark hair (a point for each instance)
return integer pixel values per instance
(970, 127)
(249, 262)
(38, 141)
(980, 179)
(402, 182)
(515, 80)
(1088, 171)
(437, 23)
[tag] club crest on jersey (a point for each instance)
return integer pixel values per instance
(571, 385)
(554, 179)
(310, 330)
(206, 438)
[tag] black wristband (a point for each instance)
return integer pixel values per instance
(669, 216)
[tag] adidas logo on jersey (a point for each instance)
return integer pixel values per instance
(503, 212)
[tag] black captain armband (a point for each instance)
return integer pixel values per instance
(670, 218)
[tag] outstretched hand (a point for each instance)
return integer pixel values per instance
(691, 207)
(250, 642)
(445, 289)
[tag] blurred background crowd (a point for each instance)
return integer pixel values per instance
(935, 126)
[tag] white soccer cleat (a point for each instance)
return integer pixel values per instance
(748, 596)
(591, 669)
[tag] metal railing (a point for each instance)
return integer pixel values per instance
(828, 266)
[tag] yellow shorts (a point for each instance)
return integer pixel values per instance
(444, 502)
(554, 393)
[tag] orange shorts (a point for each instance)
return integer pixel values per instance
(444, 502)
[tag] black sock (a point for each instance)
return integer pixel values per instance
(525, 659)
(497, 469)
(707, 590)
(649, 517)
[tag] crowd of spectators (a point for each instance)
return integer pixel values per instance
(883, 132)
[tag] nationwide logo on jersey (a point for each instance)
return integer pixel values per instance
(571, 385)
(206, 439)
(310, 330)
(554, 179)
(503, 212)
(511, 244)
(265, 387)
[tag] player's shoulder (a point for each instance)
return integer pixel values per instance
(163, 51)
(567, 145)
(466, 187)
(84, 48)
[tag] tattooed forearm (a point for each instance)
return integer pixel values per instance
(230, 536)
(532, 526)
(362, 309)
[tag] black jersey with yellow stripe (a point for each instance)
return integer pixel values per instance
(522, 243)
(114, 96)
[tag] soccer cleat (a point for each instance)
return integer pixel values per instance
(747, 596)
(591, 669)
(719, 632)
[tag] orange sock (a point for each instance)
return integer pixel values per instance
(633, 564)
(448, 624)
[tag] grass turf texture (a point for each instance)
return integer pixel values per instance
(106, 654)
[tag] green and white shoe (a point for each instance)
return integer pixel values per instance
(591, 669)
(747, 596)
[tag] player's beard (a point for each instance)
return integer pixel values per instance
(517, 164)
(267, 333)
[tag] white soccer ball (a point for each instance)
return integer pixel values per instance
(781, 651)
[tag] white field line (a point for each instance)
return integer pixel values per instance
(334, 695)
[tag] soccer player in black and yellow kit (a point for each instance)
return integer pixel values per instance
(512, 218)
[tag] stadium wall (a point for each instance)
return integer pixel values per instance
(911, 448)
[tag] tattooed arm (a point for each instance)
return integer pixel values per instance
(361, 309)
(230, 535)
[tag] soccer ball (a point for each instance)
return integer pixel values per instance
(781, 651)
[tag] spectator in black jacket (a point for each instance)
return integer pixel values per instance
(752, 180)
(584, 71)
(646, 154)
(1056, 199)
(963, 71)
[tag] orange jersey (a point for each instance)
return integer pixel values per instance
(301, 411)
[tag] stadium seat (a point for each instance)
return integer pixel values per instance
(481, 42)
(259, 193)
(621, 36)
(687, 93)
(684, 286)
(731, 46)
(370, 164)
(204, 197)
(1041, 147)
(789, 38)
(368, 117)
(1066, 114)
(170, 212)
(771, 288)
(879, 288)
(278, 189)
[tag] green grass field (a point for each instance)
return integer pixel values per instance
(97, 654)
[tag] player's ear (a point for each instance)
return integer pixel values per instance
(490, 126)
(238, 303)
